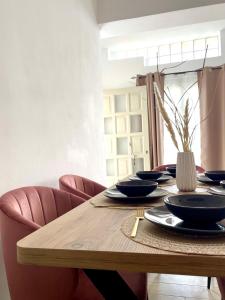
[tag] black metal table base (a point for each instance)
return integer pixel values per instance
(110, 284)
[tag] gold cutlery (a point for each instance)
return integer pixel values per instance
(139, 216)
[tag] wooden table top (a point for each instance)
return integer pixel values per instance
(89, 237)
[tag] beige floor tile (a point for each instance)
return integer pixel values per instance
(164, 297)
(178, 279)
(214, 285)
(181, 290)
(210, 297)
(153, 278)
(179, 287)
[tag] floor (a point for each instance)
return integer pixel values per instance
(178, 287)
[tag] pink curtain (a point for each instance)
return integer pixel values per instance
(155, 122)
(212, 113)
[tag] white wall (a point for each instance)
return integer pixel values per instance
(50, 94)
(50, 115)
(109, 10)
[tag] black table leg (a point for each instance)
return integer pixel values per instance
(110, 284)
(208, 283)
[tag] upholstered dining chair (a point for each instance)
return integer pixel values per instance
(80, 186)
(221, 284)
(163, 168)
(27, 209)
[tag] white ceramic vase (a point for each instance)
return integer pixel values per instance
(186, 172)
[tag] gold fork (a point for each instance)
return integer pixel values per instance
(139, 216)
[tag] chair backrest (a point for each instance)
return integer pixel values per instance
(23, 211)
(163, 168)
(40, 205)
(80, 186)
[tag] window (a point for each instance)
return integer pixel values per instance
(176, 85)
(171, 53)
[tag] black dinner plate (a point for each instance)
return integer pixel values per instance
(165, 172)
(204, 179)
(172, 174)
(114, 194)
(161, 179)
(165, 219)
(217, 190)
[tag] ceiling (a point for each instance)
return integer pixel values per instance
(112, 10)
(164, 28)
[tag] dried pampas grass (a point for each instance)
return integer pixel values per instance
(180, 124)
(165, 115)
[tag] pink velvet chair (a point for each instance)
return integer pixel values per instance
(80, 186)
(163, 168)
(221, 284)
(25, 210)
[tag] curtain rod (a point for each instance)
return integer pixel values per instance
(183, 72)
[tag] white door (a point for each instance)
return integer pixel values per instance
(126, 132)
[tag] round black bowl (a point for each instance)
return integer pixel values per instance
(136, 187)
(222, 183)
(216, 175)
(171, 169)
(148, 175)
(197, 209)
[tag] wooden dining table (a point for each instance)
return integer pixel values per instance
(90, 237)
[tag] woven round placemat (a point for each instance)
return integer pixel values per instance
(154, 236)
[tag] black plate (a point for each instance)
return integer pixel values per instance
(162, 217)
(172, 174)
(161, 179)
(217, 190)
(222, 183)
(165, 172)
(216, 175)
(114, 194)
(172, 169)
(204, 179)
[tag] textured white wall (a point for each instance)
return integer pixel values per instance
(50, 94)
(109, 10)
(50, 97)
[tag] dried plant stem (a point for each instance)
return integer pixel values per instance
(186, 137)
(172, 67)
(165, 116)
(185, 92)
(180, 123)
(169, 98)
(200, 88)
